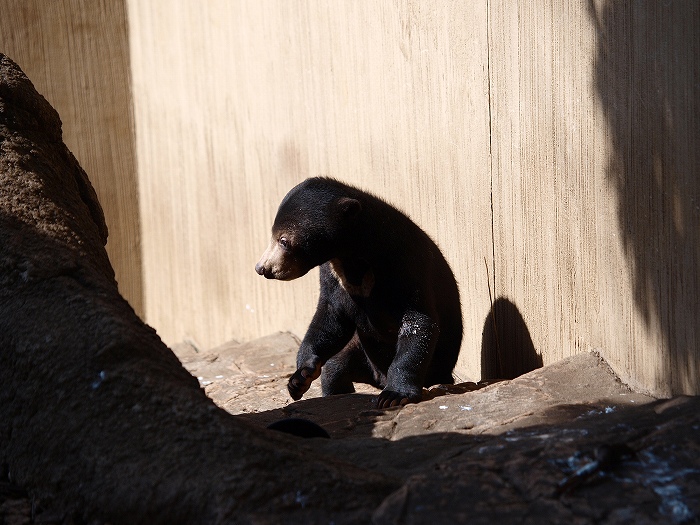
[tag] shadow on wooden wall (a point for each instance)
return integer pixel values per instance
(507, 350)
(647, 78)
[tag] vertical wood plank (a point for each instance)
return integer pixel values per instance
(239, 101)
(76, 53)
(594, 110)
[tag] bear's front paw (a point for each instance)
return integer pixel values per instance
(389, 398)
(301, 380)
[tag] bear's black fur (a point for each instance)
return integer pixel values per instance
(389, 311)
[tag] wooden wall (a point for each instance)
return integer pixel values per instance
(76, 53)
(549, 147)
(239, 101)
(596, 176)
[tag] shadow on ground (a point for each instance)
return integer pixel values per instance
(567, 441)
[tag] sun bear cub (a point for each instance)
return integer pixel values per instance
(388, 313)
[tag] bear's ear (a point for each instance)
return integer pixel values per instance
(348, 207)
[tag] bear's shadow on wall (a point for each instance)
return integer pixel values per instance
(507, 350)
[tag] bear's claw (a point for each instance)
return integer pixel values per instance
(389, 398)
(301, 380)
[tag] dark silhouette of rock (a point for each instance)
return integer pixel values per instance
(299, 427)
(98, 418)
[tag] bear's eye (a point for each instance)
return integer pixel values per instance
(284, 243)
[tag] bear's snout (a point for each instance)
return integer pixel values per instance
(279, 263)
(265, 265)
(259, 268)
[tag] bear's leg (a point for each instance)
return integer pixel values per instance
(414, 351)
(348, 366)
(328, 333)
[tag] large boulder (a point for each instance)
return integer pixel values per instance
(98, 418)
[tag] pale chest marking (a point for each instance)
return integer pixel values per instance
(359, 290)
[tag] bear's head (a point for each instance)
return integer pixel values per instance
(309, 229)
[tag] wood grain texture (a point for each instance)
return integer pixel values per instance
(557, 141)
(596, 190)
(648, 82)
(250, 98)
(76, 53)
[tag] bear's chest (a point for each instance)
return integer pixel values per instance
(373, 310)
(356, 278)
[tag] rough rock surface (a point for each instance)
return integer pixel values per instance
(564, 443)
(100, 422)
